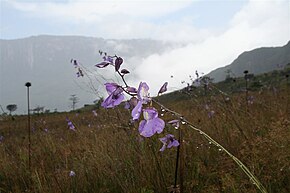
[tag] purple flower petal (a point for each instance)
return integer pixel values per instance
(136, 112)
(72, 173)
(111, 87)
(133, 101)
(102, 64)
(163, 147)
(109, 59)
(163, 88)
(174, 123)
(127, 105)
(112, 100)
(168, 141)
(131, 89)
(125, 71)
(118, 63)
(149, 128)
(143, 92)
(150, 113)
(173, 143)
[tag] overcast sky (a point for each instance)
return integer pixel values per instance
(213, 33)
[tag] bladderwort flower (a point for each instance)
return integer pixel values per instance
(108, 60)
(70, 125)
(210, 114)
(168, 142)
(72, 173)
(94, 113)
(80, 73)
(163, 88)
(151, 123)
(115, 95)
(131, 103)
(174, 123)
(143, 98)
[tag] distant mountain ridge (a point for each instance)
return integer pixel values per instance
(256, 61)
(45, 61)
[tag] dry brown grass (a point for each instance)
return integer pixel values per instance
(110, 156)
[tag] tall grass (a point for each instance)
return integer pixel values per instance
(108, 155)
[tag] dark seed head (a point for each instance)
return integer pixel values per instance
(28, 84)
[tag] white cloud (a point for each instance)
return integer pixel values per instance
(258, 24)
(118, 19)
(90, 11)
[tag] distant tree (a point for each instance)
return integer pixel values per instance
(74, 99)
(38, 109)
(11, 108)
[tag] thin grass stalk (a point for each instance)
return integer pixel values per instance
(176, 164)
(252, 177)
(181, 160)
(158, 164)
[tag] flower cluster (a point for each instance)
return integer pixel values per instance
(70, 125)
(139, 102)
(79, 72)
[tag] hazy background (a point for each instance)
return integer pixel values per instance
(158, 39)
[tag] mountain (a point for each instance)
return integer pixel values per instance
(45, 62)
(256, 61)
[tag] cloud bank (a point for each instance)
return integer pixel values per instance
(255, 24)
(258, 24)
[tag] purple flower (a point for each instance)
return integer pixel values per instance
(136, 112)
(168, 141)
(152, 124)
(174, 123)
(80, 73)
(210, 113)
(131, 103)
(118, 63)
(251, 100)
(125, 71)
(94, 113)
(70, 125)
(115, 95)
(109, 59)
(1, 138)
(102, 64)
(74, 62)
(127, 105)
(163, 88)
(72, 173)
(142, 93)
(197, 82)
(131, 89)
(143, 98)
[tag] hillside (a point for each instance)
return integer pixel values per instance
(256, 61)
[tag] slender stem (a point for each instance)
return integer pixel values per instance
(176, 165)
(181, 160)
(29, 138)
(252, 177)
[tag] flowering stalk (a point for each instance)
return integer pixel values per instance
(152, 124)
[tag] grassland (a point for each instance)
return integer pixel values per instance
(108, 155)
